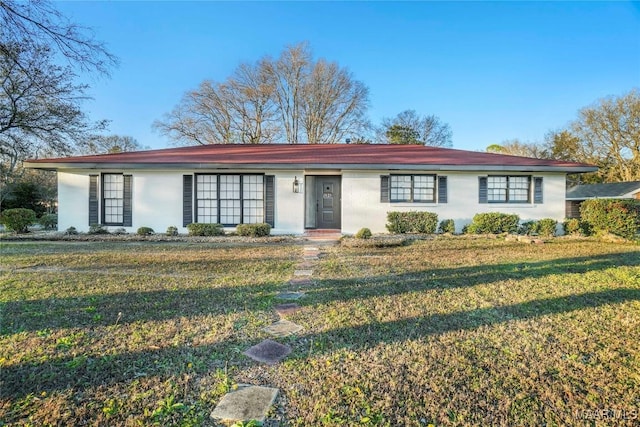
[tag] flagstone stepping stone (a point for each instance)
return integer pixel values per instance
(306, 266)
(290, 295)
(311, 258)
(311, 248)
(269, 352)
(301, 282)
(283, 328)
(287, 308)
(245, 404)
(303, 272)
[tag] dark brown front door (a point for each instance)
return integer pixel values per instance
(328, 201)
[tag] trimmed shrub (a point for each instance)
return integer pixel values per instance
(18, 219)
(119, 231)
(363, 233)
(49, 221)
(447, 226)
(546, 227)
(412, 222)
(198, 229)
(172, 231)
(71, 231)
(493, 223)
(253, 230)
(98, 229)
(616, 216)
(527, 228)
(576, 226)
(145, 231)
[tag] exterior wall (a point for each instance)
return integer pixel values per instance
(361, 206)
(157, 200)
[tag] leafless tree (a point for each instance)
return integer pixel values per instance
(410, 128)
(39, 23)
(291, 97)
(108, 144)
(333, 104)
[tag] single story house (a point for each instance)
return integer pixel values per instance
(612, 190)
(302, 187)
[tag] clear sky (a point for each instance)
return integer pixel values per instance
(492, 70)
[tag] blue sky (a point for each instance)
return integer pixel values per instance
(493, 70)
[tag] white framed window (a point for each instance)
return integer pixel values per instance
(112, 199)
(207, 198)
(508, 189)
(229, 199)
(413, 188)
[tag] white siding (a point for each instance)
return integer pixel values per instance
(157, 200)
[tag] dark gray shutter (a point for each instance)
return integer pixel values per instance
(537, 190)
(269, 200)
(442, 189)
(482, 189)
(187, 200)
(93, 200)
(127, 217)
(384, 189)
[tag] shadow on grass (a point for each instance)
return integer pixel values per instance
(67, 372)
(57, 313)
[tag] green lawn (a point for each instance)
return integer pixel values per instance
(451, 331)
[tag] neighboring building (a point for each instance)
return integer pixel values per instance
(300, 187)
(613, 190)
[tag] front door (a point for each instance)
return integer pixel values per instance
(328, 201)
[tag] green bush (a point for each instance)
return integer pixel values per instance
(120, 231)
(447, 226)
(253, 230)
(172, 231)
(546, 227)
(145, 231)
(412, 222)
(71, 231)
(493, 223)
(198, 229)
(98, 229)
(527, 228)
(18, 219)
(49, 221)
(363, 233)
(616, 216)
(576, 226)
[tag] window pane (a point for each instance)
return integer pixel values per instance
(424, 188)
(400, 188)
(207, 199)
(113, 196)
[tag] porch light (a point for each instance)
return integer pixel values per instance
(296, 185)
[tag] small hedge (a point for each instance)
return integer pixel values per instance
(253, 230)
(49, 221)
(447, 226)
(543, 227)
(172, 231)
(363, 233)
(493, 223)
(412, 222)
(18, 219)
(98, 229)
(576, 227)
(616, 216)
(145, 231)
(197, 229)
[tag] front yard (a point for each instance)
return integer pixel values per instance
(451, 331)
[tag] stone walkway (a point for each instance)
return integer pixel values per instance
(250, 402)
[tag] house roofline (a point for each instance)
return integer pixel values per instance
(315, 166)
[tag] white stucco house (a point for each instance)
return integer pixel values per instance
(302, 187)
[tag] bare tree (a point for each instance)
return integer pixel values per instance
(410, 128)
(109, 144)
(40, 109)
(610, 132)
(39, 23)
(288, 75)
(291, 97)
(333, 104)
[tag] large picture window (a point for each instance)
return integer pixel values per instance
(230, 199)
(508, 189)
(113, 199)
(413, 188)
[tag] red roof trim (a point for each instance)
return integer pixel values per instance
(306, 154)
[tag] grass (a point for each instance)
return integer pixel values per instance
(449, 332)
